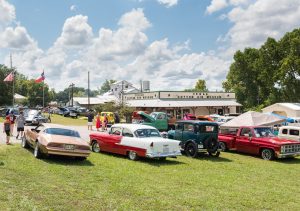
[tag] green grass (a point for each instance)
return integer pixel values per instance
(58, 119)
(108, 182)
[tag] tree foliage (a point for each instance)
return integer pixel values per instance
(106, 86)
(267, 75)
(200, 86)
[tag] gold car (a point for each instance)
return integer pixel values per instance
(51, 139)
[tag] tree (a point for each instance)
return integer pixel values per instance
(201, 86)
(5, 87)
(106, 86)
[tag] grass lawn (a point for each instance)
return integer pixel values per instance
(107, 182)
(59, 119)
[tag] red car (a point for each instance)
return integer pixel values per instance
(259, 141)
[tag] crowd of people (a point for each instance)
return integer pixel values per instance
(12, 121)
(100, 124)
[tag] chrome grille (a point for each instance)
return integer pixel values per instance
(290, 148)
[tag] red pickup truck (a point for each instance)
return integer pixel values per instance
(258, 141)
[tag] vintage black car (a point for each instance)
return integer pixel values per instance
(196, 137)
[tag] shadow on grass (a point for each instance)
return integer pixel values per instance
(150, 161)
(288, 160)
(207, 157)
(64, 160)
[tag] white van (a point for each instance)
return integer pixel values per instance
(289, 132)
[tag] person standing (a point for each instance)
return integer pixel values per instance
(6, 128)
(116, 118)
(105, 121)
(90, 120)
(12, 119)
(98, 122)
(20, 124)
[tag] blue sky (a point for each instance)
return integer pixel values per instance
(172, 43)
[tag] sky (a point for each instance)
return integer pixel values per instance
(171, 43)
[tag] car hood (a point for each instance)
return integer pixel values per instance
(280, 141)
(65, 139)
(146, 116)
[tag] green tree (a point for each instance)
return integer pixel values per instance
(5, 87)
(106, 86)
(201, 86)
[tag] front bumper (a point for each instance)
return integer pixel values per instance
(162, 155)
(287, 155)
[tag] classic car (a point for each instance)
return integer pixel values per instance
(196, 137)
(289, 132)
(160, 120)
(51, 139)
(35, 117)
(135, 140)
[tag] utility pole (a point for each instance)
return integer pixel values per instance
(88, 89)
(13, 73)
(72, 92)
(122, 93)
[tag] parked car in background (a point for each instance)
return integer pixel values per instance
(64, 111)
(135, 140)
(258, 141)
(74, 113)
(196, 137)
(189, 117)
(223, 119)
(51, 139)
(289, 132)
(83, 111)
(159, 120)
(204, 118)
(35, 117)
(110, 117)
(136, 118)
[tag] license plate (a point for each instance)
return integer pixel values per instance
(166, 149)
(69, 146)
(200, 146)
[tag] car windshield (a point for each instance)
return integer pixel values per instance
(263, 132)
(143, 133)
(154, 115)
(62, 132)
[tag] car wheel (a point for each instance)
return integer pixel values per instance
(132, 155)
(96, 147)
(214, 154)
(24, 143)
(37, 152)
(222, 146)
(267, 154)
(191, 150)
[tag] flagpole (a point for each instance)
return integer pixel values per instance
(13, 91)
(43, 91)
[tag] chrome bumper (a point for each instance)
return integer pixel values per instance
(286, 155)
(161, 155)
(73, 153)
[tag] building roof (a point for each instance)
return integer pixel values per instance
(157, 103)
(119, 82)
(95, 100)
(293, 106)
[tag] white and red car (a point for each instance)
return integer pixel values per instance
(135, 141)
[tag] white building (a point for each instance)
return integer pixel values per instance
(284, 109)
(118, 87)
(178, 102)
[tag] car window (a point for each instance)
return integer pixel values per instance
(143, 133)
(245, 131)
(263, 132)
(116, 131)
(188, 127)
(62, 132)
(127, 133)
(208, 128)
(294, 132)
(284, 131)
(178, 126)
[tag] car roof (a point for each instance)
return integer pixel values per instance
(50, 125)
(133, 127)
(290, 127)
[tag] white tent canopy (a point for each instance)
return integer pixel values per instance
(19, 97)
(252, 118)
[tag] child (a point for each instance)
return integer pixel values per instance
(6, 128)
(98, 122)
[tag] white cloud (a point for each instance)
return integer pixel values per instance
(168, 3)
(253, 24)
(216, 5)
(73, 8)
(135, 19)
(76, 32)
(7, 13)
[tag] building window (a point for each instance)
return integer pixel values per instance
(169, 95)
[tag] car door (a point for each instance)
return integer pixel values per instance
(246, 142)
(111, 143)
(188, 132)
(178, 131)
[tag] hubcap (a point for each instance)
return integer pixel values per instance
(222, 146)
(96, 147)
(23, 141)
(132, 155)
(36, 150)
(266, 154)
(191, 150)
